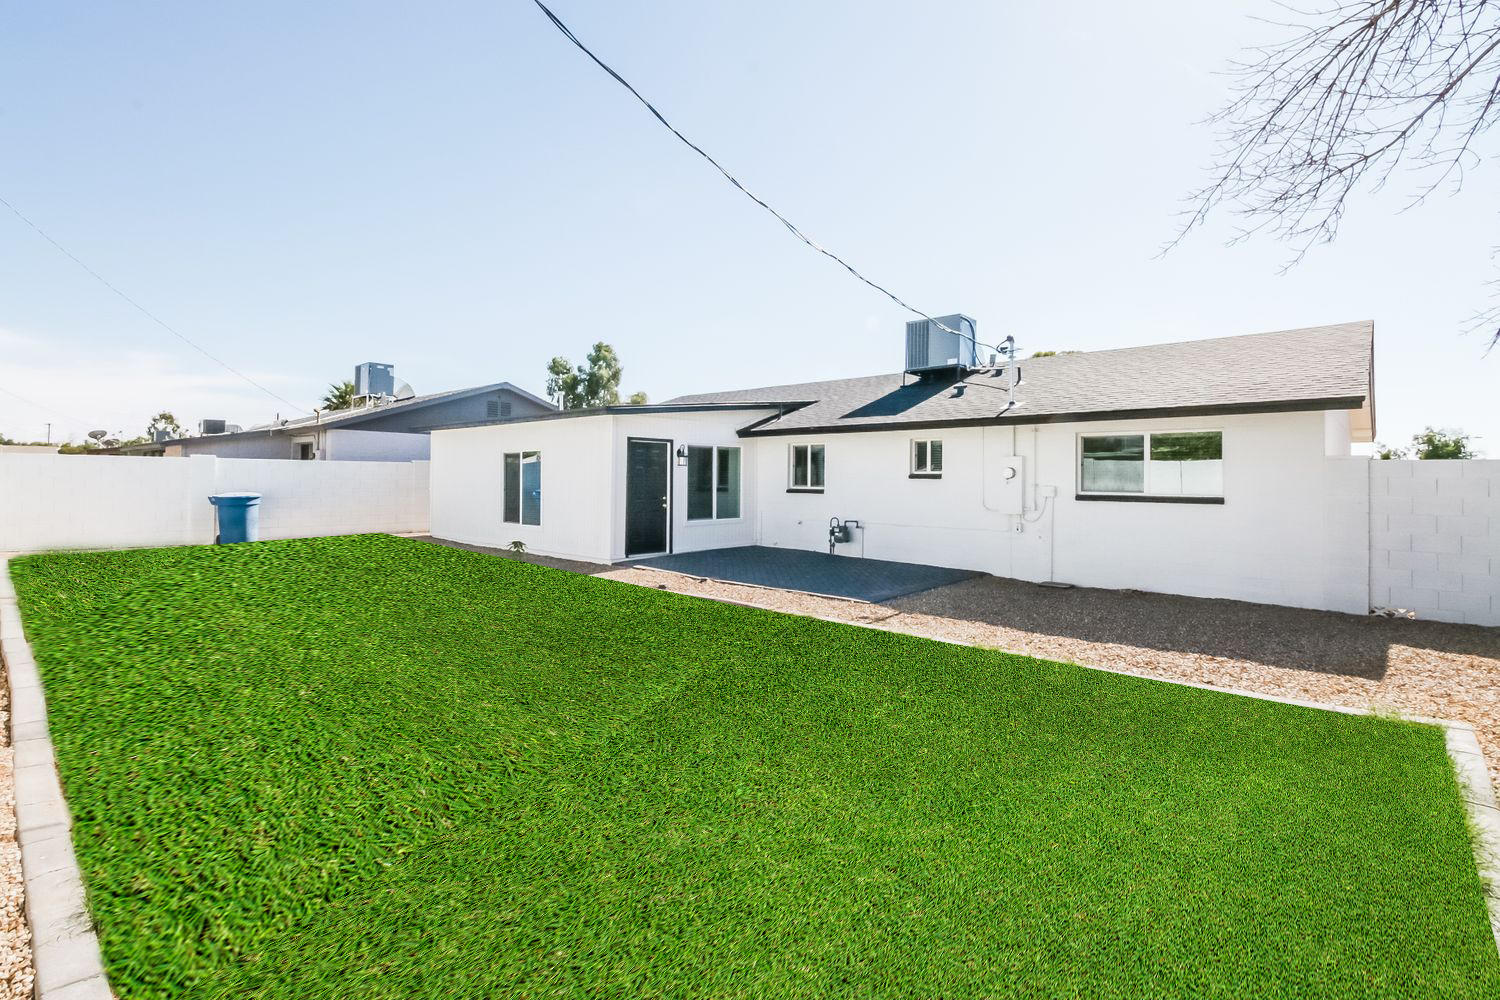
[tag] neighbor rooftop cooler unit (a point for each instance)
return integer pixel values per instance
(374, 379)
(931, 348)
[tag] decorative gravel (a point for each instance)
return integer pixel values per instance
(15, 939)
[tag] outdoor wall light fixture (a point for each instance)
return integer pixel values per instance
(682, 454)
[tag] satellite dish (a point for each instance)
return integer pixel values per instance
(98, 435)
(404, 391)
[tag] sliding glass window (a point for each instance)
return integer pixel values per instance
(713, 483)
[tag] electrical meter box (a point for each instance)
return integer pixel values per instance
(1004, 481)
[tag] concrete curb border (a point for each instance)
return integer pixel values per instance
(1463, 746)
(64, 949)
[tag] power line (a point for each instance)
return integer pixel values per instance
(44, 409)
(146, 312)
(568, 33)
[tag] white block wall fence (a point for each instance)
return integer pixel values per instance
(1435, 539)
(103, 502)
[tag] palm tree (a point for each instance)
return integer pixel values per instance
(340, 396)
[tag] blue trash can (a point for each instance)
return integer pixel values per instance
(238, 515)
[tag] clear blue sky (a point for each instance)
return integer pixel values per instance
(452, 188)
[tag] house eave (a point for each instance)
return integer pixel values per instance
(1019, 417)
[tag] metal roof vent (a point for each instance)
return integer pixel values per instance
(931, 348)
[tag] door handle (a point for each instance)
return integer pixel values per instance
(663, 503)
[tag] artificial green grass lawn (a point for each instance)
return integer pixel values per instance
(371, 767)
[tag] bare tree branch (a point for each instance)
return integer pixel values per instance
(1354, 91)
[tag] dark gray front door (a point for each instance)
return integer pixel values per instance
(648, 483)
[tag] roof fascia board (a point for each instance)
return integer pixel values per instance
(1095, 416)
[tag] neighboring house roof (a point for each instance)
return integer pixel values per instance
(347, 418)
(360, 414)
(1315, 368)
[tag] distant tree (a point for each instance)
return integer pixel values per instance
(1354, 89)
(164, 421)
(1432, 443)
(1051, 354)
(340, 396)
(594, 384)
(637, 399)
(28, 444)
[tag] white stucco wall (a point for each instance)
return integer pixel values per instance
(693, 429)
(583, 483)
(1303, 523)
(101, 502)
(577, 483)
(374, 446)
(1267, 542)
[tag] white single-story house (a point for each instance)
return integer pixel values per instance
(1193, 468)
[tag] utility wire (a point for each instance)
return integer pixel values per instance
(146, 312)
(568, 33)
(44, 409)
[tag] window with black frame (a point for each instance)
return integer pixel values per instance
(1152, 465)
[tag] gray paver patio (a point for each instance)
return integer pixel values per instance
(870, 580)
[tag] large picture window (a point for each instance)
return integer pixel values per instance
(522, 499)
(713, 483)
(1162, 465)
(805, 467)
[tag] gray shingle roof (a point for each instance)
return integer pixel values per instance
(1323, 367)
(356, 415)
